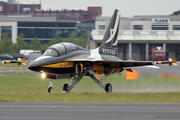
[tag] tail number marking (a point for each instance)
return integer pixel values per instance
(108, 51)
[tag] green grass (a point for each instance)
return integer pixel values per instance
(32, 88)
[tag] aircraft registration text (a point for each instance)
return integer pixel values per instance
(109, 51)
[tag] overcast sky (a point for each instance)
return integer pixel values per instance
(128, 8)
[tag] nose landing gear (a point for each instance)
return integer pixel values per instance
(50, 87)
(66, 88)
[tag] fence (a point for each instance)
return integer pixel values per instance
(12, 71)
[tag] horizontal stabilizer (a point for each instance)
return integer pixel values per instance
(129, 70)
(173, 62)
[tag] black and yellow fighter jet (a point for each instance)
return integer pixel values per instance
(67, 60)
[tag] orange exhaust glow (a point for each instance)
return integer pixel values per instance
(132, 75)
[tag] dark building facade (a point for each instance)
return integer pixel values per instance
(30, 20)
(33, 22)
(45, 30)
(61, 15)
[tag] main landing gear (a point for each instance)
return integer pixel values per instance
(106, 87)
(68, 87)
(75, 80)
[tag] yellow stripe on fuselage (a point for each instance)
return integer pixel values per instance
(60, 65)
(79, 59)
(117, 70)
(111, 71)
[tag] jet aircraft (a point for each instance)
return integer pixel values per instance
(67, 60)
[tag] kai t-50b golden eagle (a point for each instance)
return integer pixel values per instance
(67, 60)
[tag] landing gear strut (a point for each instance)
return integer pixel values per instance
(106, 87)
(75, 80)
(50, 87)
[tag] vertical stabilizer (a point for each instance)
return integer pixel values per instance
(110, 40)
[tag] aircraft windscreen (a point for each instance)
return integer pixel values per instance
(51, 52)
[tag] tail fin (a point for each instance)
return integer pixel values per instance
(110, 40)
(111, 35)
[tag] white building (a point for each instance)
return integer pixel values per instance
(158, 22)
(138, 35)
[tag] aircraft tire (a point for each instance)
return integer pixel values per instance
(66, 88)
(108, 88)
(50, 89)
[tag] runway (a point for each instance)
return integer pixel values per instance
(89, 111)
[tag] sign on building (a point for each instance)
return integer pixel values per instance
(160, 20)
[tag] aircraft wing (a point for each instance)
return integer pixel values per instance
(129, 63)
(148, 66)
(115, 61)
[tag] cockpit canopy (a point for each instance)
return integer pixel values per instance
(60, 49)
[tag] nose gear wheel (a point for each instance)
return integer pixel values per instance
(66, 88)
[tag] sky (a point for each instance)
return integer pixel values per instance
(128, 8)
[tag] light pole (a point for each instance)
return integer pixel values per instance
(88, 42)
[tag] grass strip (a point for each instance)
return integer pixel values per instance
(170, 97)
(147, 89)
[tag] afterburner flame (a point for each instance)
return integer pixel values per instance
(132, 75)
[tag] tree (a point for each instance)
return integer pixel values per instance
(20, 43)
(44, 47)
(54, 40)
(6, 45)
(72, 35)
(35, 44)
(82, 41)
(176, 12)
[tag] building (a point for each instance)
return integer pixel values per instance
(155, 22)
(43, 28)
(84, 18)
(33, 22)
(139, 34)
(13, 8)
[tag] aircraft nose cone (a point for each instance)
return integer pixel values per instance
(33, 66)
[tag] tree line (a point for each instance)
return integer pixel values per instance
(7, 46)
